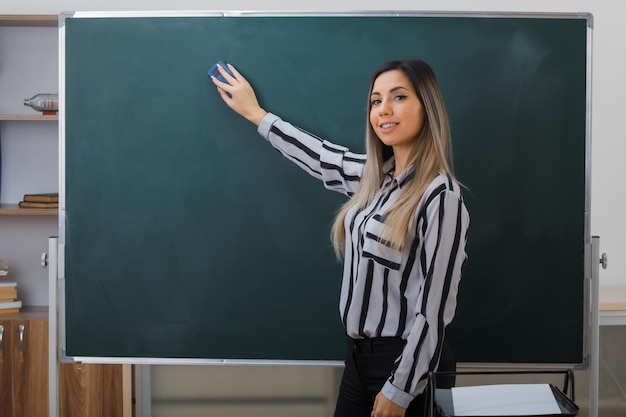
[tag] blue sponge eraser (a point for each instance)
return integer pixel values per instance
(215, 72)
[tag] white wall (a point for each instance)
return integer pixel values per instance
(609, 82)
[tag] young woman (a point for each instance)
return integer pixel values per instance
(401, 234)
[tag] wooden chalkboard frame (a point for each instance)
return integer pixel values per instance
(581, 359)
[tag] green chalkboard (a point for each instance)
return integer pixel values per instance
(186, 235)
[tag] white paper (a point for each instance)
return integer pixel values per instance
(505, 400)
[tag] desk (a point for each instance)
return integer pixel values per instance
(612, 305)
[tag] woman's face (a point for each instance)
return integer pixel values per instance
(396, 115)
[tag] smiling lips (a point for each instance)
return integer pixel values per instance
(387, 126)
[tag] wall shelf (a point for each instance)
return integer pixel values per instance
(15, 210)
(28, 117)
(19, 20)
(29, 20)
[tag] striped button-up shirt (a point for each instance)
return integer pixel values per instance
(409, 293)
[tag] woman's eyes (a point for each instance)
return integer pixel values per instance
(399, 97)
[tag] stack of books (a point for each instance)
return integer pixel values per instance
(45, 200)
(9, 304)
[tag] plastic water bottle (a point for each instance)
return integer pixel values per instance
(43, 102)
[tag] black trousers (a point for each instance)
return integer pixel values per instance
(368, 366)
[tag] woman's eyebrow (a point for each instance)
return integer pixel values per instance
(392, 90)
(400, 87)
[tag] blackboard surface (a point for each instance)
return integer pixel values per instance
(187, 236)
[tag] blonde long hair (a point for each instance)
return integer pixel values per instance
(431, 155)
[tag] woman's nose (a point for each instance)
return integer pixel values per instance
(384, 108)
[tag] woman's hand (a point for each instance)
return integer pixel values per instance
(242, 98)
(385, 408)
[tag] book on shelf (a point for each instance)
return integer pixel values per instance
(7, 284)
(42, 198)
(8, 295)
(33, 204)
(8, 307)
(8, 291)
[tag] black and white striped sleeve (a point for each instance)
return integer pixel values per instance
(335, 165)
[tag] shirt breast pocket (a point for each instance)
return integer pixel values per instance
(377, 249)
